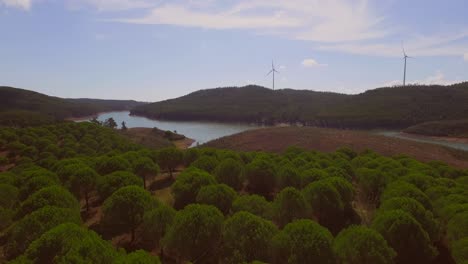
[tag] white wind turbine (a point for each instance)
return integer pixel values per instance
(405, 57)
(273, 70)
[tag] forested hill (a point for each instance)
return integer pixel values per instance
(23, 106)
(393, 107)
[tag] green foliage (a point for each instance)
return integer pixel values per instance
(288, 176)
(125, 208)
(457, 227)
(195, 231)
(404, 189)
(324, 199)
(304, 241)
(145, 167)
(417, 211)
(359, 244)
(312, 175)
(290, 205)
(219, 195)
(372, 182)
(155, 224)
(8, 195)
(206, 163)
(405, 235)
(138, 257)
(53, 196)
(110, 183)
(33, 225)
(70, 243)
(107, 165)
(230, 172)
(170, 158)
(187, 185)
(82, 183)
(261, 176)
(460, 250)
(247, 238)
(254, 204)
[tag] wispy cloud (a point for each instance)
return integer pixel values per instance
(314, 20)
(22, 4)
(311, 63)
(465, 56)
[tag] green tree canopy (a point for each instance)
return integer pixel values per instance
(106, 165)
(261, 176)
(230, 172)
(110, 183)
(457, 227)
(254, 204)
(206, 163)
(33, 225)
(405, 235)
(53, 196)
(195, 232)
(290, 205)
(417, 211)
(8, 195)
(137, 257)
(188, 183)
(125, 208)
(246, 237)
(312, 175)
(360, 244)
(170, 158)
(155, 224)
(324, 199)
(219, 195)
(82, 183)
(288, 176)
(404, 189)
(70, 243)
(145, 167)
(304, 241)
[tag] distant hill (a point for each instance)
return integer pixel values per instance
(391, 107)
(450, 128)
(21, 107)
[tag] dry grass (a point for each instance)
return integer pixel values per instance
(327, 140)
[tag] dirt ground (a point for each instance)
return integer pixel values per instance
(327, 140)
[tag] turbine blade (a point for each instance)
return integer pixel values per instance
(269, 72)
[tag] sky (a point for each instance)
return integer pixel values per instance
(153, 50)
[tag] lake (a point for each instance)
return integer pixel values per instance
(201, 132)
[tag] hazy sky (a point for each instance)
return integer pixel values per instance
(155, 49)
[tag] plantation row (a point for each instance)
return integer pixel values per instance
(228, 207)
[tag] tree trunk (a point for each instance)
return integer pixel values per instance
(144, 181)
(170, 172)
(133, 236)
(87, 201)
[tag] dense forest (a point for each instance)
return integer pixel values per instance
(82, 193)
(20, 107)
(395, 107)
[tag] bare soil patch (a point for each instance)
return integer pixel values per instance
(278, 139)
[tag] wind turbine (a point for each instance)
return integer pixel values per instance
(404, 57)
(273, 70)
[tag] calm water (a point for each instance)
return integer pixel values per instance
(423, 139)
(201, 132)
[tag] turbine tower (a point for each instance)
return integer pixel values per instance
(404, 57)
(273, 70)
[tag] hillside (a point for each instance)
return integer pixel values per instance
(278, 139)
(395, 107)
(450, 128)
(19, 106)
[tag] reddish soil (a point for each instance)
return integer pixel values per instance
(277, 139)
